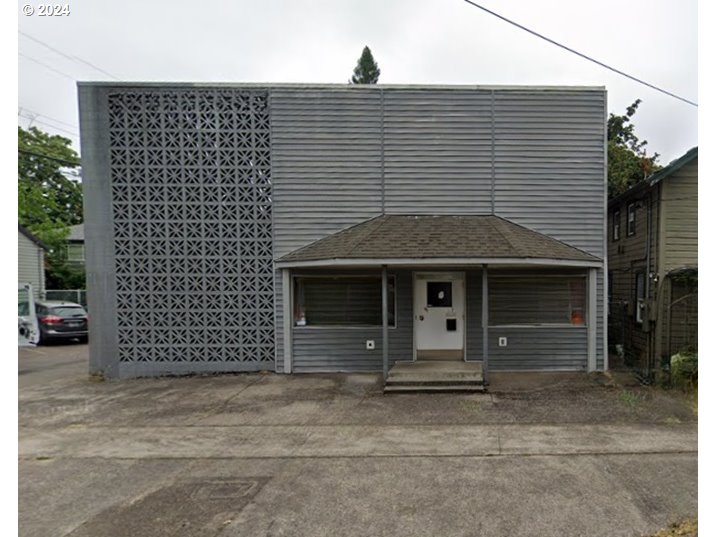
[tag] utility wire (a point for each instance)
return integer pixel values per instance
(25, 108)
(46, 66)
(66, 162)
(34, 119)
(68, 56)
(513, 23)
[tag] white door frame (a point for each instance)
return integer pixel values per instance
(440, 274)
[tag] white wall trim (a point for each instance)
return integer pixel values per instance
(592, 320)
(441, 261)
(287, 292)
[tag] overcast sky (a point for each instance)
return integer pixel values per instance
(414, 42)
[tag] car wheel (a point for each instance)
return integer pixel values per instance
(83, 339)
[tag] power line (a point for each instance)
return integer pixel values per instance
(34, 119)
(513, 23)
(46, 66)
(66, 162)
(71, 125)
(68, 56)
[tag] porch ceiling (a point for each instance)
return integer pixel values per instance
(421, 240)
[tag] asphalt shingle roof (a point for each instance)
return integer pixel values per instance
(426, 237)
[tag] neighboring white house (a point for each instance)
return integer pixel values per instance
(31, 261)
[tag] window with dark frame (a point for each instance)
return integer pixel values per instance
(346, 301)
(76, 252)
(537, 300)
(631, 219)
(616, 223)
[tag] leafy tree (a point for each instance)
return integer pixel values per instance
(366, 70)
(49, 201)
(628, 160)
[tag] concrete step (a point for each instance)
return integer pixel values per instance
(436, 381)
(407, 388)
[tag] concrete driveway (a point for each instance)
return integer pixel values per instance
(266, 454)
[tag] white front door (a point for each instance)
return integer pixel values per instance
(439, 315)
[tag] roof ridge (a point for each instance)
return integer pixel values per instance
(507, 240)
(384, 218)
(544, 235)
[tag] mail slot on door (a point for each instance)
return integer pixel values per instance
(451, 324)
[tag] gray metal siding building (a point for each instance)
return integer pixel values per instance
(204, 203)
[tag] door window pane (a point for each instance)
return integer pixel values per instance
(440, 294)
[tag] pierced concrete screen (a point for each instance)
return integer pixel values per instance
(191, 203)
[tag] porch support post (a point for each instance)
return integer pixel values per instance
(485, 340)
(384, 293)
(592, 320)
(287, 297)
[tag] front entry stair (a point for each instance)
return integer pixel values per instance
(435, 376)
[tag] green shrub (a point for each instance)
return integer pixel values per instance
(685, 370)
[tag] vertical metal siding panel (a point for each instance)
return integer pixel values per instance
(539, 348)
(549, 163)
(437, 151)
(326, 163)
(474, 315)
(536, 347)
(343, 349)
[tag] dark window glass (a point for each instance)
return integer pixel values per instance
(440, 294)
(616, 225)
(68, 311)
(631, 219)
(537, 300)
(342, 301)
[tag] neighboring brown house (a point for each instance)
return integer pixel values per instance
(653, 265)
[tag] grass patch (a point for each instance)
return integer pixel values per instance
(685, 528)
(694, 401)
(470, 406)
(630, 398)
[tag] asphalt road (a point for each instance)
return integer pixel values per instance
(313, 455)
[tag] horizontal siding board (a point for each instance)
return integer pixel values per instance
(343, 349)
(30, 259)
(326, 163)
(556, 139)
(680, 211)
(538, 348)
(438, 152)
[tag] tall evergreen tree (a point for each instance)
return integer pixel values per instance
(366, 71)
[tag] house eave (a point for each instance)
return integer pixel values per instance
(438, 262)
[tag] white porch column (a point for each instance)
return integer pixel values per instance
(384, 293)
(287, 295)
(592, 320)
(485, 335)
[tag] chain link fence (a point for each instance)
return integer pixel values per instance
(67, 295)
